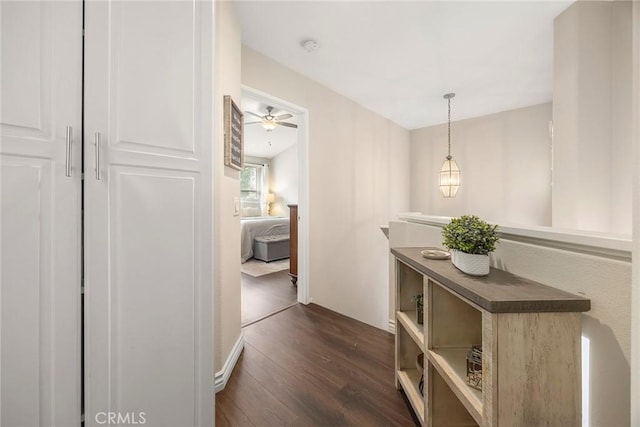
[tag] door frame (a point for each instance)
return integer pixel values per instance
(302, 113)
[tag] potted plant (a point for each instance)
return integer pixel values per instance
(419, 300)
(470, 241)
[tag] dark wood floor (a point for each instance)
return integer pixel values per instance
(266, 294)
(309, 366)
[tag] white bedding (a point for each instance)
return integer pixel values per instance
(252, 227)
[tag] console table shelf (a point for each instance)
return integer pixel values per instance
(452, 367)
(410, 378)
(530, 338)
(409, 321)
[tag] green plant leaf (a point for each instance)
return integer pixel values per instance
(471, 235)
(418, 299)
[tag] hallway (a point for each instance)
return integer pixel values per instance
(311, 366)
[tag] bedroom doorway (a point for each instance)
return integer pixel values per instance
(274, 180)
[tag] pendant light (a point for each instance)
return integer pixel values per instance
(450, 172)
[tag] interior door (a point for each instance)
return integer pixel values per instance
(148, 216)
(40, 318)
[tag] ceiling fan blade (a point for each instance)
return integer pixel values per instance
(284, 116)
(251, 123)
(289, 125)
(253, 114)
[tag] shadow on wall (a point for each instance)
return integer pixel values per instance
(607, 374)
(605, 371)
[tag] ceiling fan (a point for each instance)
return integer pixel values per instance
(269, 121)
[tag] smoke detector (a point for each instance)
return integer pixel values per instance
(310, 45)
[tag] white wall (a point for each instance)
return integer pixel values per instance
(506, 158)
(226, 187)
(505, 163)
(284, 180)
(605, 280)
(622, 116)
(592, 117)
(352, 155)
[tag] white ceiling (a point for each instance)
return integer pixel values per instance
(398, 58)
(257, 141)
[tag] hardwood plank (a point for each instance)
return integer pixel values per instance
(320, 366)
(255, 400)
(228, 413)
(300, 393)
(362, 410)
(310, 366)
(299, 359)
(358, 359)
(266, 294)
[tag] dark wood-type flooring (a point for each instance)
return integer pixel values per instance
(309, 366)
(266, 294)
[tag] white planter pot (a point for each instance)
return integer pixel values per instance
(475, 265)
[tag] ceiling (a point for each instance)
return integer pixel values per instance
(257, 141)
(399, 58)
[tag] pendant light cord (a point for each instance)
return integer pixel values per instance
(449, 130)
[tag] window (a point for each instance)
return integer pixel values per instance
(250, 182)
(251, 190)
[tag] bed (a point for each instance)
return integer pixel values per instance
(253, 227)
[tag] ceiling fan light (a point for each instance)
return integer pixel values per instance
(269, 125)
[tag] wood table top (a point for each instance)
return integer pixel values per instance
(499, 291)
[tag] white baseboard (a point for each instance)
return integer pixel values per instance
(392, 326)
(223, 375)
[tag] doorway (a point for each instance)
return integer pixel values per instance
(273, 181)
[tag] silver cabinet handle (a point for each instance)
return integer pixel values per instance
(68, 152)
(97, 140)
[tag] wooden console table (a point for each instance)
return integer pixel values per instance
(530, 335)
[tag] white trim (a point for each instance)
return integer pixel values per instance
(304, 286)
(215, 165)
(635, 271)
(604, 244)
(392, 326)
(222, 377)
(304, 295)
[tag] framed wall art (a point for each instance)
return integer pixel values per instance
(233, 135)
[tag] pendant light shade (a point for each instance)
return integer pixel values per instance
(450, 172)
(449, 178)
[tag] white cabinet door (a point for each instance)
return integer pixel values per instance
(40, 320)
(148, 216)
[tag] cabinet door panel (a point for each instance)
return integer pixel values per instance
(148, 295)
(24, 289)
(23, 58)
(40, 212)
(155, 77)
(153, 295)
